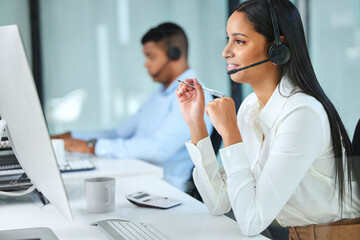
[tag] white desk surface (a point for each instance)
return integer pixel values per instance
(116, 168)
(190, 220)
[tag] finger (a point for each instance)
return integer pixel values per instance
(192, 82)
(67, 144)
(206, 111)
(198, 87)
(209, 109)
(189, 80)
(184, 88)
(187, 88)
(178, 93)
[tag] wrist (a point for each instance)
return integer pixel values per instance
(91, 145)
(232, 137)
(198, 131)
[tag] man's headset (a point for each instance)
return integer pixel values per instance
(279, 53)
(173, 53)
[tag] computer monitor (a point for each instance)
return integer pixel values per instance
(26, 127)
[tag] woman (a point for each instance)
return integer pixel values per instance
(286, 154)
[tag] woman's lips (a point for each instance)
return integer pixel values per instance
(231, 66)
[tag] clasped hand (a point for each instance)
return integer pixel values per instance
(221, 111)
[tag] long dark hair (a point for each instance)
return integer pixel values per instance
(301, 73)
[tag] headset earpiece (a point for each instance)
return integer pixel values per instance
(174, 53)
(279, 53)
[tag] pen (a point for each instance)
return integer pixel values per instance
(211, 91)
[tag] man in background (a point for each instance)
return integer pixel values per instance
(156, 132)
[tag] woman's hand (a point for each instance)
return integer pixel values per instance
(192, 102)
(222, 114)
(192, 106)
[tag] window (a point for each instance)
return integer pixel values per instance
(94, 74)
(334, 41)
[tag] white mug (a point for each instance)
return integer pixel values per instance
(59, 149)
(100, 194)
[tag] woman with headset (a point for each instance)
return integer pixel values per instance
(286, 154)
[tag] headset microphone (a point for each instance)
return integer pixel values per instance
(161, 69)
(252, 65)
(173, 53)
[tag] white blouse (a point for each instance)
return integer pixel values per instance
(283, 169)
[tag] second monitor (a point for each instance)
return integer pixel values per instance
(24, 121)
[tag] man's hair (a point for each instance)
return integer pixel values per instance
(174, 33)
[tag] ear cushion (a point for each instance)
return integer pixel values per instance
(174, 53)
(279, 54)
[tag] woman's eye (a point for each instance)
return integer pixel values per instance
(236, 41)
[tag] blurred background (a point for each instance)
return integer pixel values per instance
(88, 65)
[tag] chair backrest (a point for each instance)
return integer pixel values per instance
(216, 141)
(191, 188)
(356, 139)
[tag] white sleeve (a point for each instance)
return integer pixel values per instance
(299, 139)
(209, 180)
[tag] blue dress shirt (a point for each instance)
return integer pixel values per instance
(155, 133)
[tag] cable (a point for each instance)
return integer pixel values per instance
(18, 193)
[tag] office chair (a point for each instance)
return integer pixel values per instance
(356, 139)
(191, 188)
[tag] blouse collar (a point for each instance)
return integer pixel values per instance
(260, 116)
(273, 107)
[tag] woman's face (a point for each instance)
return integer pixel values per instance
(245, 47)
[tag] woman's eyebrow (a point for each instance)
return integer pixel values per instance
(238, 34)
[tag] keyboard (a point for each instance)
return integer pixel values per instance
(76, 165)
(124, 230)
(5, 144)
(10, 166)
(14, 182)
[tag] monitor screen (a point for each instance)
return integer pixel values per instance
(25, 123)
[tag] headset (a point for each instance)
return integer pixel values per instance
(279, 53)
(173, 52)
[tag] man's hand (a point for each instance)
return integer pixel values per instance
(62, 136)
(77, 145)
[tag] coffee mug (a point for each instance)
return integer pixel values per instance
(59, 149)
(100, 194)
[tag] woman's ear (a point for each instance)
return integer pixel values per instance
(282, 39)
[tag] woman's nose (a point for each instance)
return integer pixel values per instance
(227, 52)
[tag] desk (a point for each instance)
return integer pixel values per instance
(190, 220)
(116, 168)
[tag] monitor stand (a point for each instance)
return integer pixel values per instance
(42, 198)
(37, 233)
